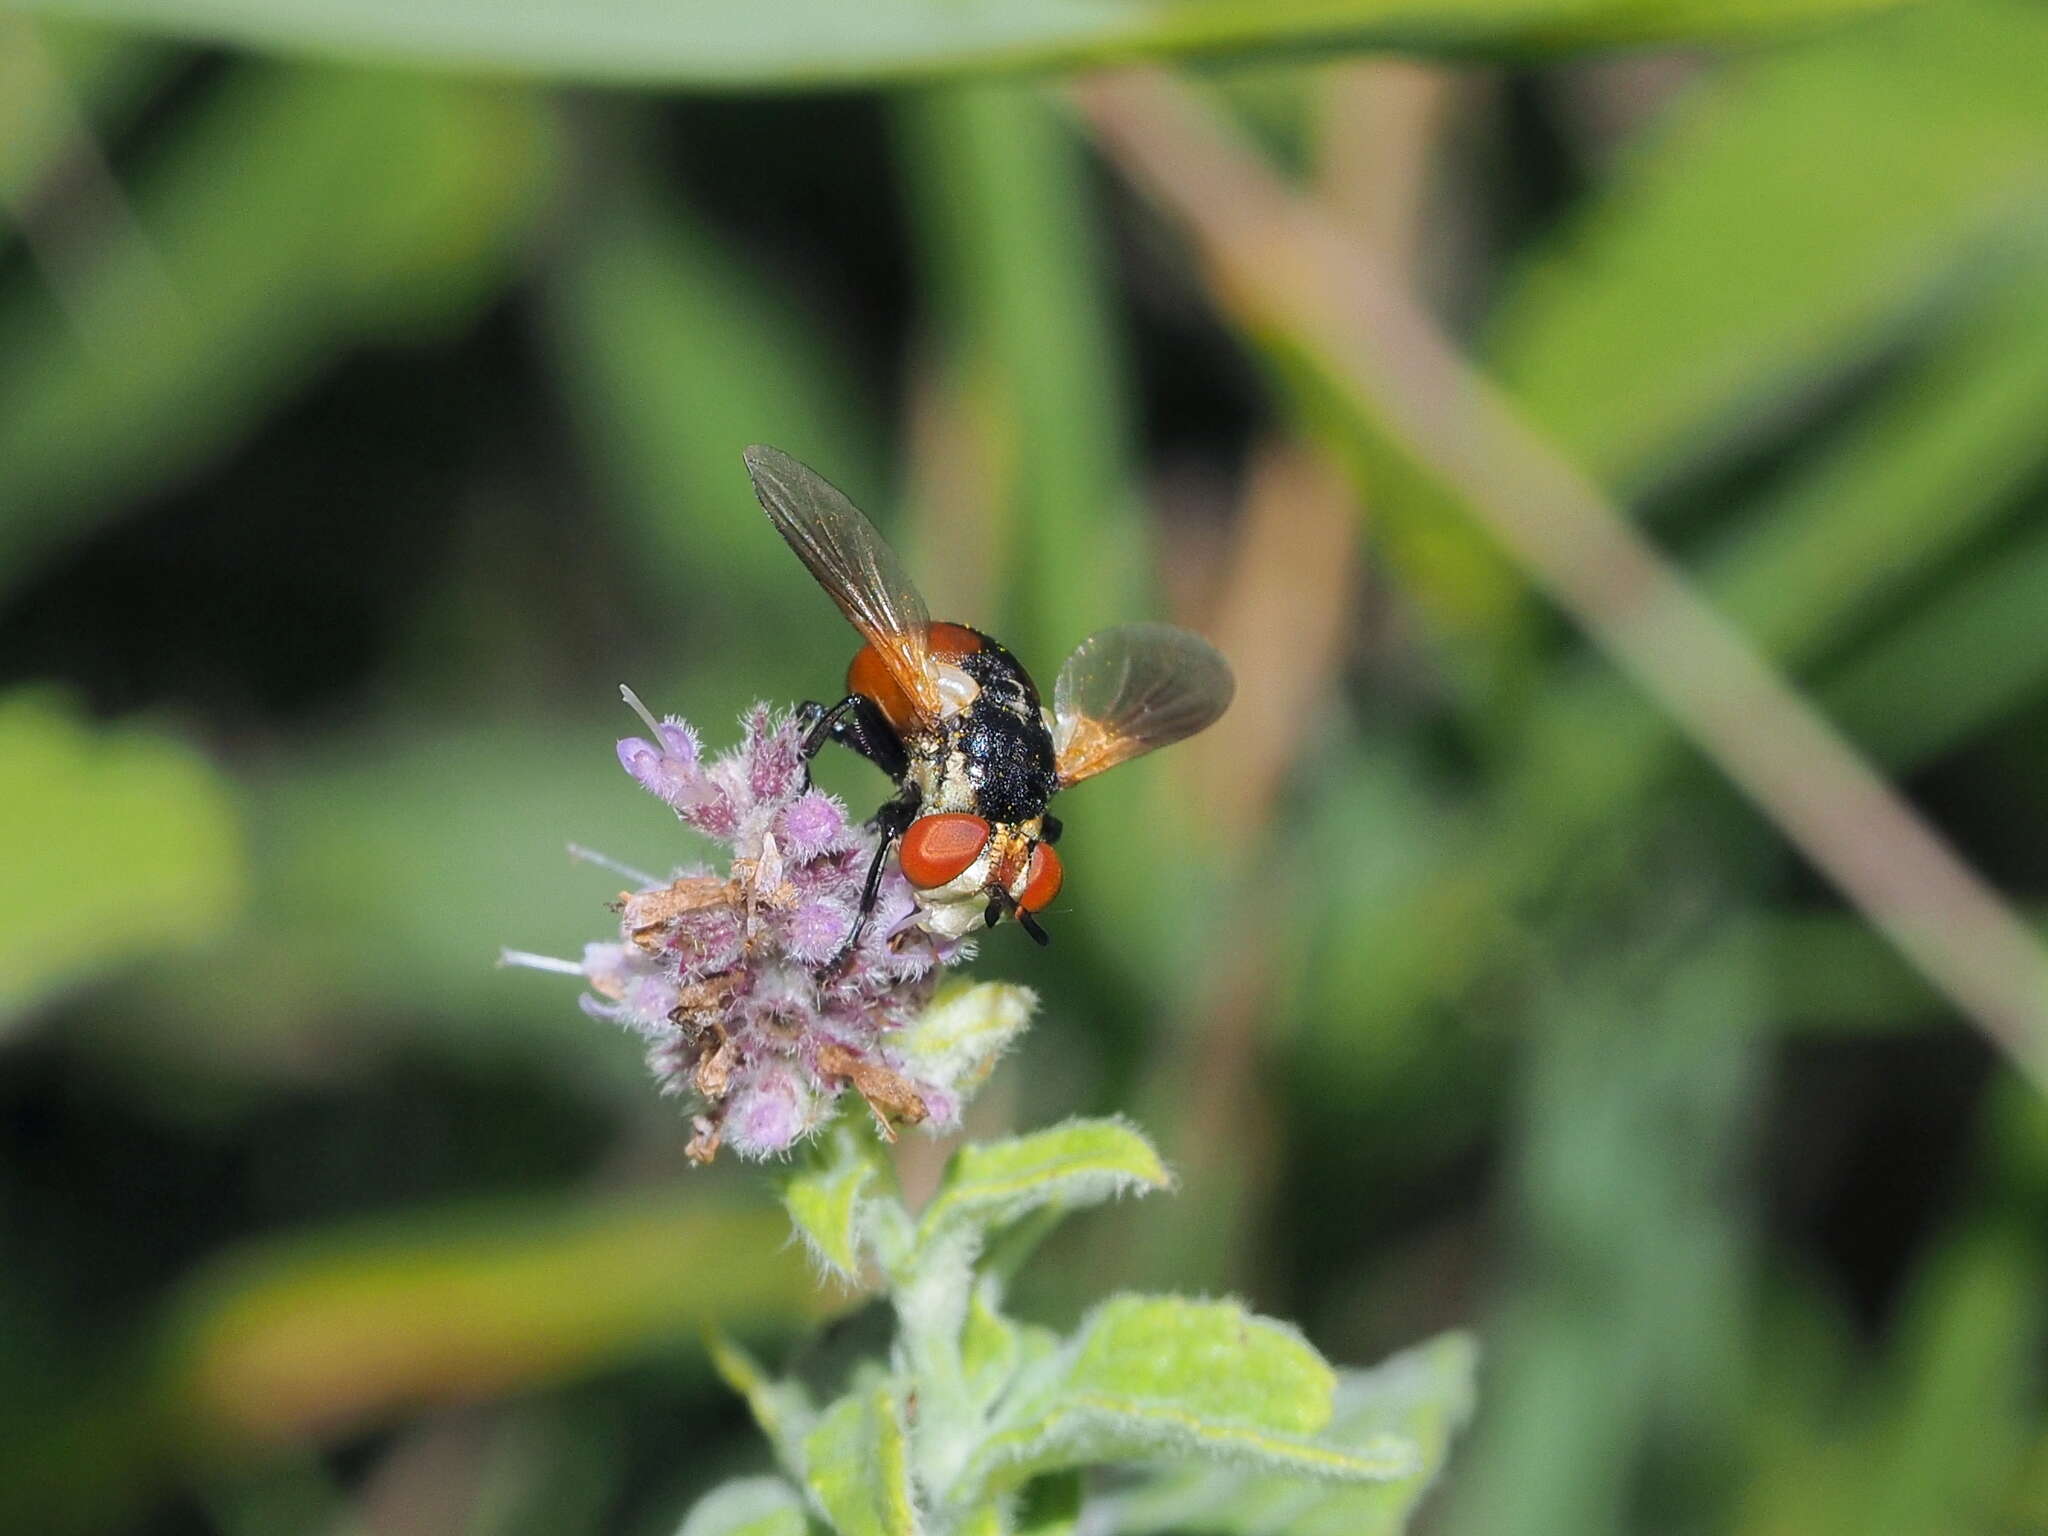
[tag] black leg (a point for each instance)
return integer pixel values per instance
(868, 731)
(854, 722)
(820, 724)
(890, 821)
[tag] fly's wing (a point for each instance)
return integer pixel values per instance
(857, 570)
(1129, 689)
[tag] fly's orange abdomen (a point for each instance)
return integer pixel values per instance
(869, 676)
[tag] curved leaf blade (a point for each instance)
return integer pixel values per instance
(749, 1506)
(1150, 1377)
(805, 43)
(824, 1202)
(858, 1464)
(1424, 1394)
(989, 1185)
(1796, 212)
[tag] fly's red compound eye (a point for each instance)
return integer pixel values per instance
(938, 849)
(1042, 878)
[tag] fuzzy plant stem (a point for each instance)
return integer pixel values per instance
(931, 1312)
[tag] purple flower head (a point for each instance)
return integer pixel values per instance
(741, 979)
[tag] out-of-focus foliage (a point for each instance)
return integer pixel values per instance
(1644, 338)
(449, 1306)
(121, 844)
(300, 213)
(362, 428)
(815, 42)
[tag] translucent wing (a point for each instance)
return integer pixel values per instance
(857, 570)
(1129, 689)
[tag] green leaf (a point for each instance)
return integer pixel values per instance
(824, 1201)
(1947, 447)
(1973, 654)
(957, 1040)
(1082, 1162)
(1961, 1421)
(749, 1506)
(995, 1348)
(120, 844)
(791, 43)
(1797, 211)
(989, 1347)
(1424, 1395)
(1150, 1377)
(781, 1408)
(858, 1463)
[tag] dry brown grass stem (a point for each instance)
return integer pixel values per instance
(1285, 271)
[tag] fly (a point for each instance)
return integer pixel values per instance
(956, 722)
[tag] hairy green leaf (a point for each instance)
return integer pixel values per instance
(858, 1463)
(990, 1184)
(1147, 1377)
(989, 1348)
(1424, 1395)
(750, 1506)
(795, 43)
(781, 1408)
(958, 1039)
(824, 1201)
(994, 1348)
(119, 844)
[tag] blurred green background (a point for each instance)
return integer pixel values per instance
(373, 379)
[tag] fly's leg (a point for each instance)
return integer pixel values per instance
(890, 821)
(818, 723)
(857, 723)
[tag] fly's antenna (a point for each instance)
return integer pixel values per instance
(1005, 902)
